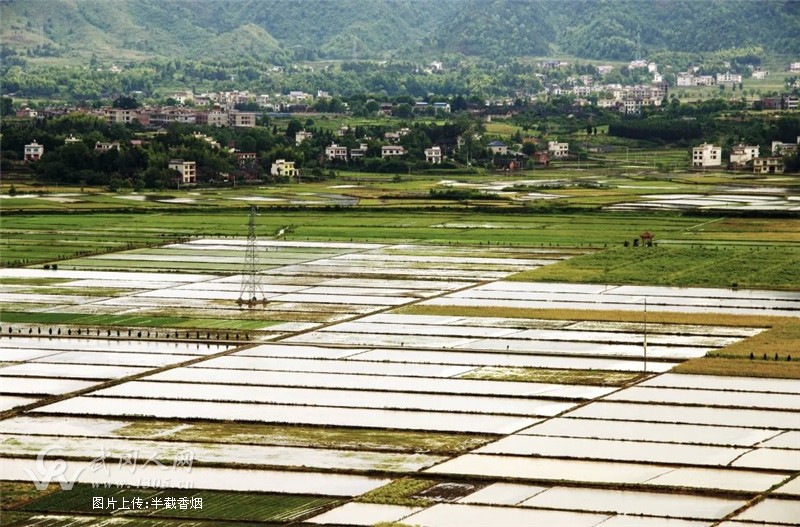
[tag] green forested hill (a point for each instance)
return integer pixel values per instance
(284, 30)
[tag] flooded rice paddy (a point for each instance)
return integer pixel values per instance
(331, 353)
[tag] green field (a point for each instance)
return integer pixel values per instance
(726, 266)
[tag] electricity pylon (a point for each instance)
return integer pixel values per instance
(251, 293)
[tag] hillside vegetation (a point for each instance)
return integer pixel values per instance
(284, 30)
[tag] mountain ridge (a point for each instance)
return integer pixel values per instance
(291, 30)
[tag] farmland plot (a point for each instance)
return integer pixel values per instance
(352, 394)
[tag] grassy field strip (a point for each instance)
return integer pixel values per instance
(210, 455)
(214, 433)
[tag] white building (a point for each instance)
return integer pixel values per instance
(782, 149)
(301, 136)
(283, 168)
(741, 154)
(760, 74)
(794, 67)
(105, 147)
(187, 169)
(392, 151)
(335, 152)
(71, 139)
(582, 91)
(685, 79)
(557, 149)
(33, 151)
(433, 155)
(706, 155)
(728, 78)
(360, 152)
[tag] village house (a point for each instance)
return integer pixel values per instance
(27, 112)
(335, 152)
(283, 168)
(187, 169)
(768, 165)
(105, 147)
(706, 155)
(203, 137)
(301, 136)
(728, 78)
(498, 148)
(392, 151)
(245, 158)
(120, 115)
(784, 149)
(433, 155)
(216, 118)
(360, 152)
(241, 119)
(558, 150)
(33, 151)
(71, 139)
(741, 154)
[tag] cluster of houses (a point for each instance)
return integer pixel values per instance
(741, 155)
(691, 78)
(162, 116)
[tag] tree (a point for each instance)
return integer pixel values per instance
(403, 111)
(293, 127)
(7, 107)
(125, 103)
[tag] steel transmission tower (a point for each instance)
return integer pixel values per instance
(251, 292)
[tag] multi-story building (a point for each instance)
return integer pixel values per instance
(335, 152)
(283, 168)
(741, 154)
(301, 136)
(216, 118)
(33, 151)
(241, 119)
(360, 152)
(392, 151)
(768, 165)
(187, 169)
(120, 115)
(706, 155)
(783, 149)
(557, 150)
(728, 78)
(433, 155)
